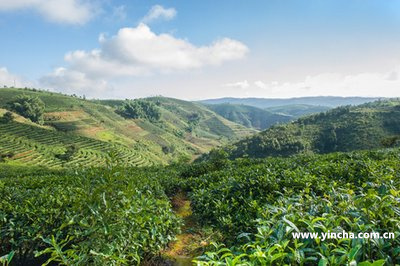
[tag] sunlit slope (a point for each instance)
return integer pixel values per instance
(32, 145)
(171, 138)
(367, 126)
(298, 110)
(249, 116)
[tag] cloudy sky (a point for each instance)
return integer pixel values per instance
(202, 49)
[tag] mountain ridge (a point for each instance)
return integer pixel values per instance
(330, 101)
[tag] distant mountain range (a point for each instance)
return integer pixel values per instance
(329, 101)
(262, 113)
(249, 116)
(258, 118)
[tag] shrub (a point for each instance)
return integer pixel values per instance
(108, 216)
(140, 109)
(258, 204)
(29, 107)
(7, 117)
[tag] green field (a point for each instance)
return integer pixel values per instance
(122, 216)
(94, 186)
(96, 130)
(31, 145)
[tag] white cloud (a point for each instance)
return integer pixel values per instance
(260, 84)
(159, 12)
(10, 80)
(240, 84)
(141, 47)
(375, 84)
(61, 11)
(365, 84)
(71, 81)
(138, 52)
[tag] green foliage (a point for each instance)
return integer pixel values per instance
(194, 119)
(29, 107)
(140, 141)
(32, 145)
(4, 156)
(298, 110)
(7, 117)
(346, 128)
(118, 215)
(108, 216)
(6, 259)
(263, 201)
(67, 155)
(136, 109)
(249, 116)
(391, 142)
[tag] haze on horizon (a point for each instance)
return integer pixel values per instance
(203, 49)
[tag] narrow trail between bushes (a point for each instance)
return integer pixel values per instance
(183, 250)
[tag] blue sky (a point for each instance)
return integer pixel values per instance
(202, 49)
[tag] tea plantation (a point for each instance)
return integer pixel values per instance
(109, 216)
(55, 130)
(31, 145)
(122, 216)
(258, 204)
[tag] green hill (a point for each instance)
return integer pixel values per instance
(347, 128)
(249, 116)
(298, 110)
(330, 101)
(87, 131)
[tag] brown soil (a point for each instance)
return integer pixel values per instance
(185, 248)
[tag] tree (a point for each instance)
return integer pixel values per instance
(67, 155)
(391, 142)
(194, 118)
(7, 117)
(327, 139)
(28, 107)
(4, 156)
(140, 109)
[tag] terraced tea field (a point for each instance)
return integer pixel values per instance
(138, 142)
(32, 145)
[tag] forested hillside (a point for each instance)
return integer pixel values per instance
(298, 110)
(347, 128)
(249, 116)
(254, 117)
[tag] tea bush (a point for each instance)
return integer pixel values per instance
(258, 206)
(122, 216)
(106, 216)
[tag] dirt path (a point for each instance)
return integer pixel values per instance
(183, 250)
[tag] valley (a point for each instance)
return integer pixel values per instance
(159, 181)
(199, 133)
